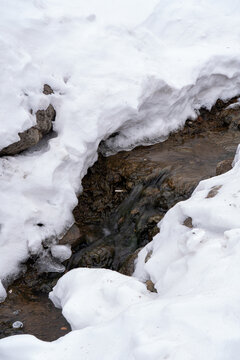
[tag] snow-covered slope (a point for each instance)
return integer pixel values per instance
(124, 66)
(194, 315)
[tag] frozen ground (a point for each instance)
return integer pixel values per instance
(140, 68)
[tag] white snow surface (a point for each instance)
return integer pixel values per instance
(139, 68)
(76, 293)
(194, 315)
(61, 252)
(3, 293)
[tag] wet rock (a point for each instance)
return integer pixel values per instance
(224, 166)
(44, 119)
(98, 256)
(71, 237)
(231, 117)
(33, 135)
(128, 266)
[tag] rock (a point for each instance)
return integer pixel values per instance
(224, 166)
(33, 135)
(148, 256)
(231, 118)
(188, 222)
(128, 266)
(213, 192)
(47, 90)
(100, 257)
(150, 286)
(44, 119)
(28, 138)
(71, 237)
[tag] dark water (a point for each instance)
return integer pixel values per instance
(35, 311)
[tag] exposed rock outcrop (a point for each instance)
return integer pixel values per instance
(32, 136)
(127, 194)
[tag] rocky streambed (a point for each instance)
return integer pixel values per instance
(124, 197)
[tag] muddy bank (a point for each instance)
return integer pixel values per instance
(124, 197)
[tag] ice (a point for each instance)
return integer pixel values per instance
(17, 325)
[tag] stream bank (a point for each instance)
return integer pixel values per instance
(124, 197)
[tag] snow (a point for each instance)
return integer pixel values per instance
(112, 68)
(77, 291)
(3, 293)
(141, 73)
(61, 252)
